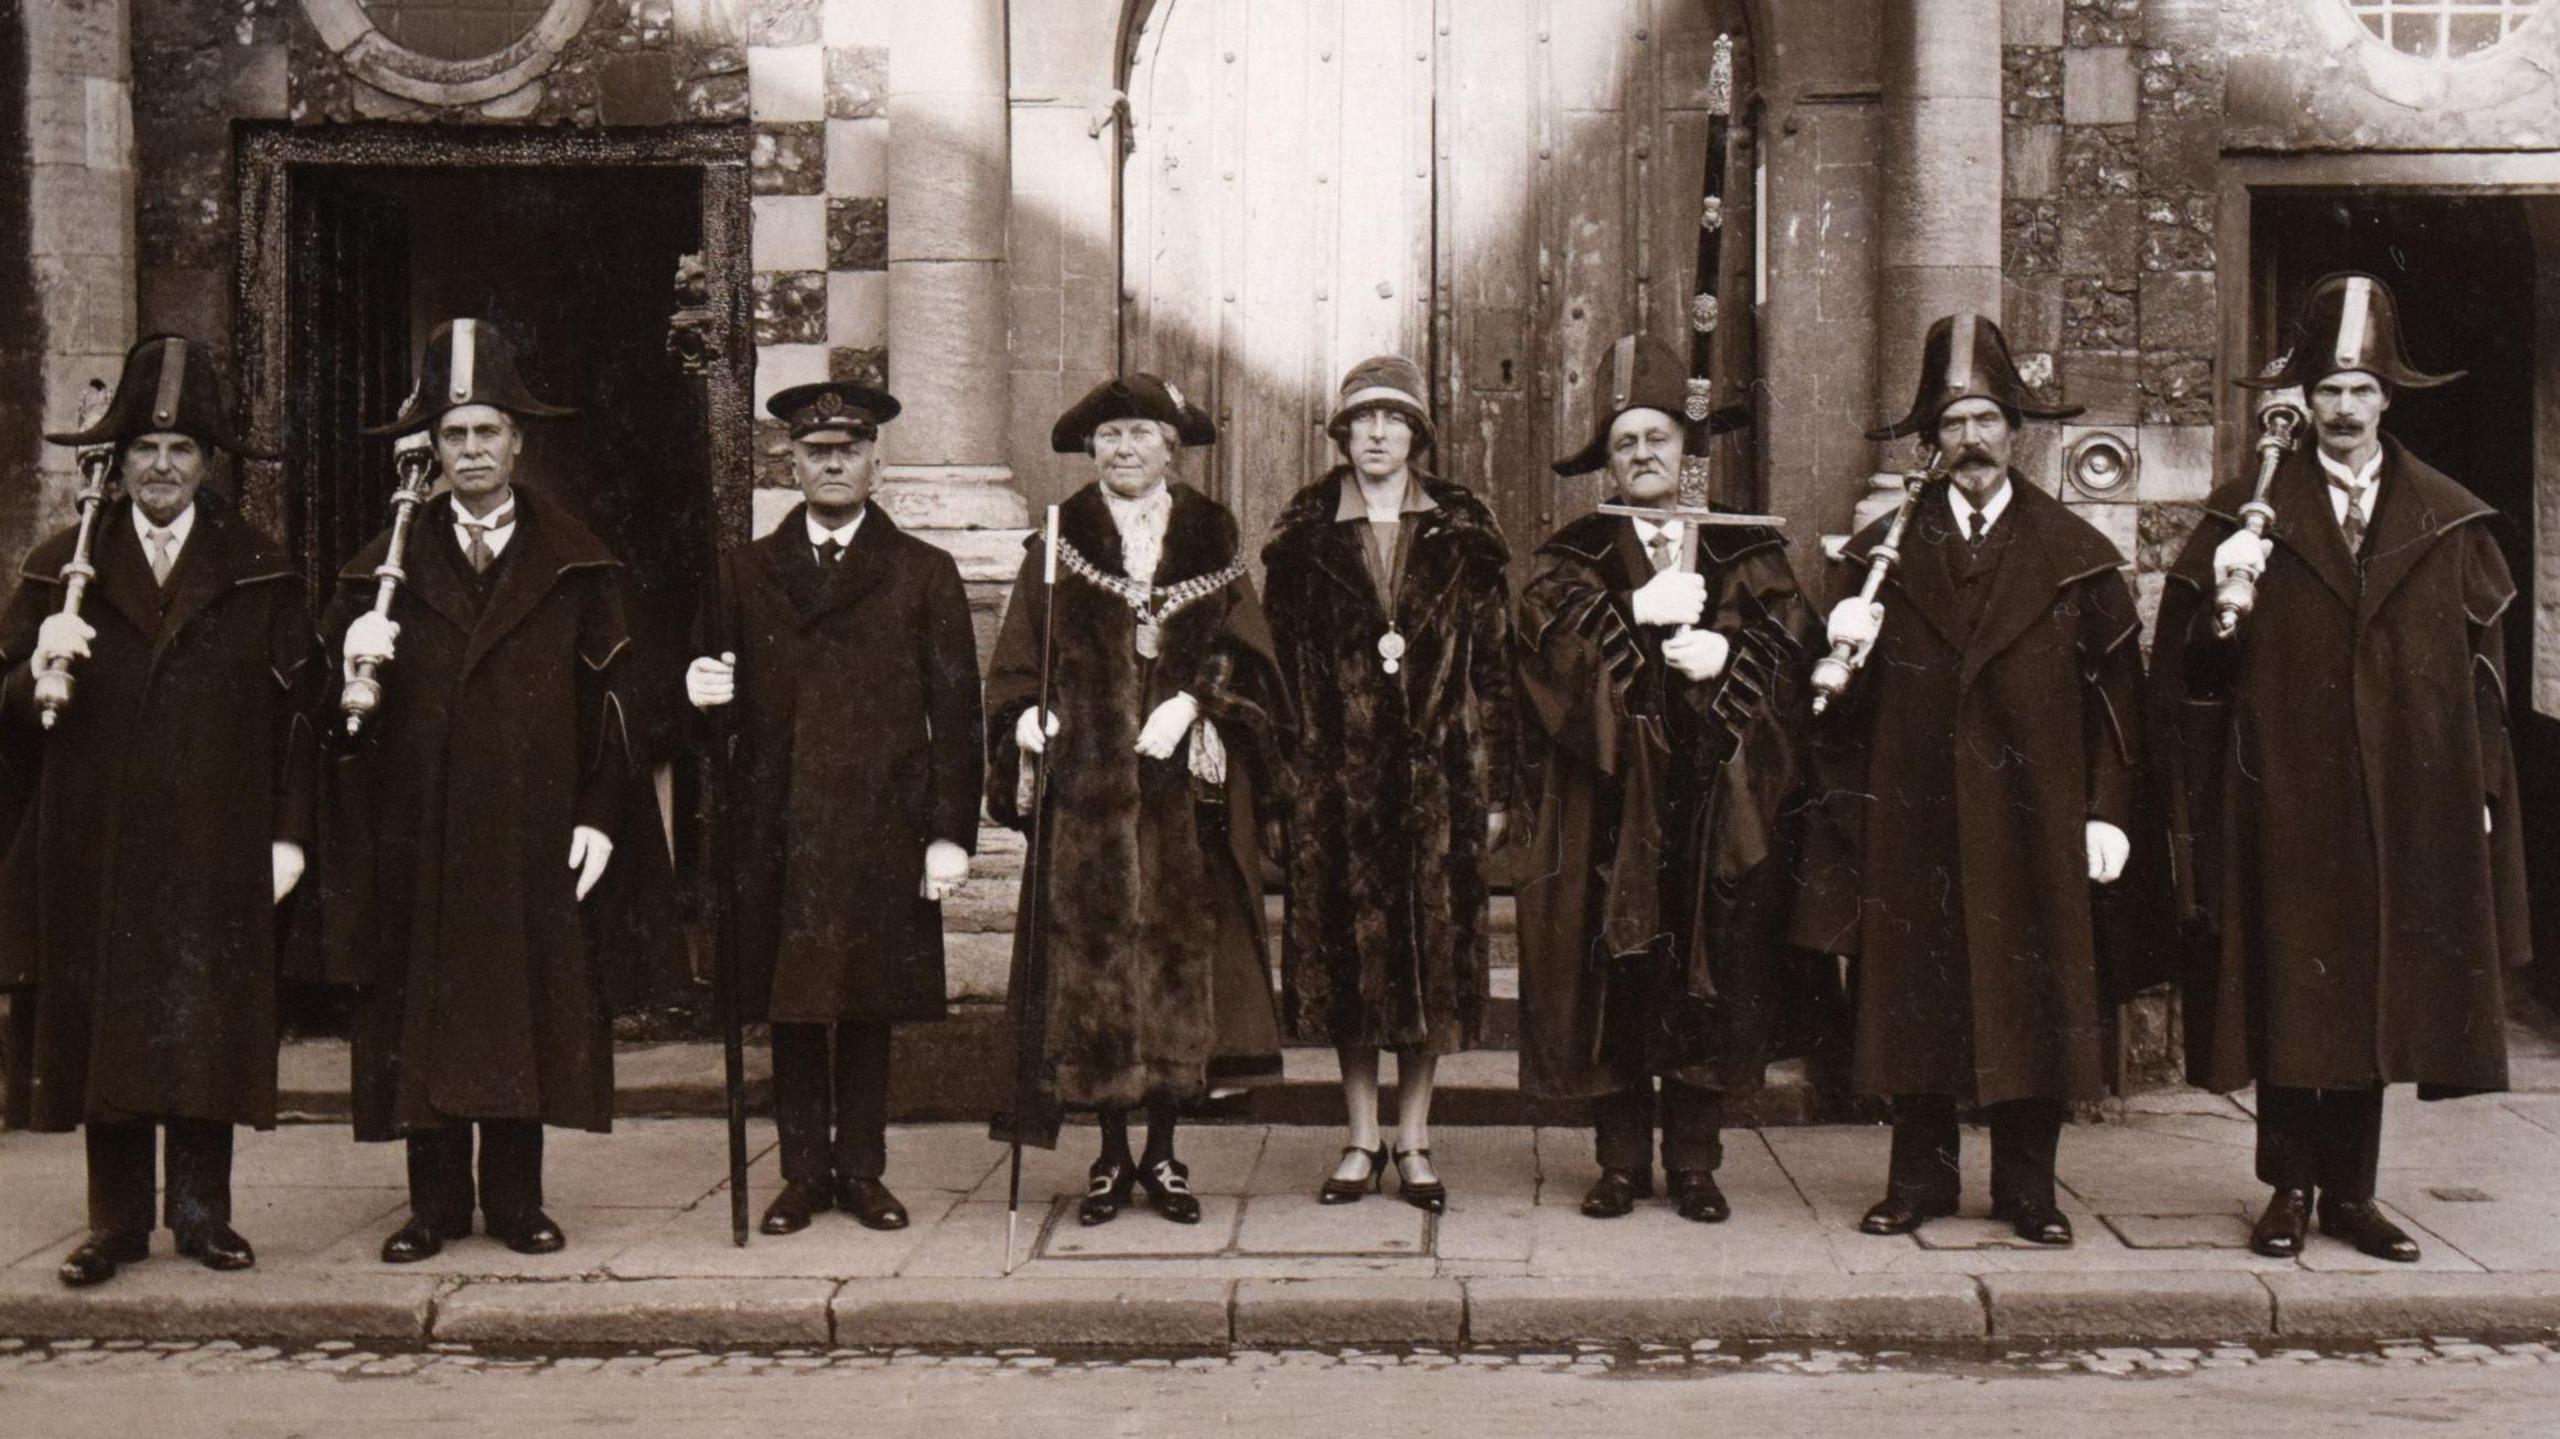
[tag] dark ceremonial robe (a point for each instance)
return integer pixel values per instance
(450, 896)
(1385, 939)
(859, 742)
(1649, 920)
(1997, 715)
(2331, 762)
(1157, 973)
(137, 891)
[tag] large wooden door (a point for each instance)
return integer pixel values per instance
(1498, 188)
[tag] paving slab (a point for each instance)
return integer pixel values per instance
(595, 1235)
(1037, 1312)
(2515, 1229)
(1278, 1224)
(2405, 1303)
(1543, 1311)
(164, 1299)
(289, 1228)
(2184, 1304)
(1478, 1232)
(1141, 1233)
(2436, 1253)
(1276, 1312)
(2224, 1231)
(643, 1311)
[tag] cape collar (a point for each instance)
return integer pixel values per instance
(815, 590)
(2415, 506)
(2050, 548)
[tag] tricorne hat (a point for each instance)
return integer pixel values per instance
(1967, 358)
(168, 384)
(833, 405)
(1134, 396)
(1644, 373)
(2348, 322)
(1383, 382)
(466, 362)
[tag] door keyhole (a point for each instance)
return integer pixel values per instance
(1506, 372)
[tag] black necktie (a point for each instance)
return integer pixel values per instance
(830, 552)
(1979, 527)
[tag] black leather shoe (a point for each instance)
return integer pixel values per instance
(2036, 1223)
(2279, 1232)
(535, 1233)
(1614, 1194)
(1701, 1202)
(1106, 1192)
(412, 1242)
(791, 1210)
(1430, 1196)
(2360, 1223)
(1168, 1186)
(95, 1261)
(870, 1203)
(1894, 1214)
(1336, 1190)
(216, 1246)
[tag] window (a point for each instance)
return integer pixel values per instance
(2443, 29)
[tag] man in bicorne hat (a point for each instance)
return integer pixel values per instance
(476, 812)
(1972, 784)
(836, 653)
(154, 828)
(1668, 704)
(2347, 785)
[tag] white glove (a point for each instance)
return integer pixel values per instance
(2243, 553)
(1026, 732)
(62, 637)
(946, 868)
(2108, 850)
(286, 857)
(709, 683)
(1672, 597)
(589, 853)
(1855, 623)
(1164, 729)
(2488, 821)
(369, 638)
(1698, 654)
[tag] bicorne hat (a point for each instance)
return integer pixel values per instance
(1134, 396)
(168, 385)
(2348, 322)
(1967, 358)
(1383, 382)
(467, 362)
(1643, 373)
(858, 410)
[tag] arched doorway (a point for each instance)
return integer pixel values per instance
(1498, 188)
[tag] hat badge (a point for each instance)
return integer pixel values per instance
(829, 404)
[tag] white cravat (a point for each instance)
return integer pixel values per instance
(1141, 524)
(173, 535)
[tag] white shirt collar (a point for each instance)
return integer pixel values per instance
(496, 536)
(1651, 530)
(820, 535)
(2358, 478)
(179, 528)
(1964, 507)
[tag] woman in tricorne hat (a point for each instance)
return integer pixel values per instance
(1391, 613)
(1150, 980)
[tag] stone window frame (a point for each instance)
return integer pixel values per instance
(2524, 61)
(350, 34)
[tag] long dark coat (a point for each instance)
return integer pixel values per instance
(1385, 941)
(1157, 973)
(2331, 763)
(1955, 781)
(1650, 918)
(136, 893)
(858, 742)
(450, 896)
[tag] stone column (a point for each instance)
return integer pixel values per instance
(949, 169)
(1939, 175)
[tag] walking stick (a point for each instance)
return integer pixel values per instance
(1831, 673)
(2280, 417)
(53, 681)
(1029, 1039)
(413, 457)
(721, 775)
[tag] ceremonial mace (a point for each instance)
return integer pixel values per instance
(53, 681)
(413, 456)
(2280, 417)
(1031, 1012)
(1832, 672)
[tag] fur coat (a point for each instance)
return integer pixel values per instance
(1153, 976)
(1385, 942)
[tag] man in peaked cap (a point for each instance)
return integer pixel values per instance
(158, 822)
(475, 814)
(837, 653)
(1667, 706)
(2360, 877)
(1971, 786)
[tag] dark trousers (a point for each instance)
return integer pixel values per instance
(510, 1191)
(834, 1117)
(2324, 1139)
(121, 1180)
(2026, 1138)
(1691, 1121)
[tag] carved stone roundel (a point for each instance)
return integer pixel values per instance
(352, 32)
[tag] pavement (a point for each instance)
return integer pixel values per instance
(2161, 1195)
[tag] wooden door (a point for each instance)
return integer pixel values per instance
(349, 317)
(1497, 188)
